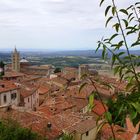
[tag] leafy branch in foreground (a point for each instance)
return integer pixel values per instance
(126, 26)
(125, 23)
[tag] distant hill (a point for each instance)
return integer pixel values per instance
(85, 53)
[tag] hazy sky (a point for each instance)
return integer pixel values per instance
(52, 24)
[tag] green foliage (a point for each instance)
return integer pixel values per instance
(125, 23)
(2, 68)
(123, 106)
(11, 130)
(67, 137)
(124, 26)
(57, 70)
(91, 104)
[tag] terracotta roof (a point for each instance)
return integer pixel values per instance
(66, 119)
(31, 78)
(42, 67)
(27, 89)
(70, 69)
(35, 122)
(119, 85)
(13, 74)
(55, 105)
(74, 92)
(82, 126)
(43, 89)
(59, 80)
(70, 76)
(102, 90)
(130, 126)
(7, 86)
(78, 102)
(88, 89)
(120, 133)
(70, 73)
(98, 108)
(26, 93)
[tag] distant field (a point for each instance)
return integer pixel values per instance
(73, 61)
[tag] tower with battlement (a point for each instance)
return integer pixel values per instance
(16, 61)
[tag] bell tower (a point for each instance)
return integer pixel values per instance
(16, 61)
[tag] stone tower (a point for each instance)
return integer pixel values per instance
(16, 61)
(83, 69)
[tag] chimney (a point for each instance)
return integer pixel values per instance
(49, 126)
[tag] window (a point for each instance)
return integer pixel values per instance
(5, 99)
(87, 133)
(13, 96)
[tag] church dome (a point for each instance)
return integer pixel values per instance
(23, 60)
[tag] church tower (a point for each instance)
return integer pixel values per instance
(16, 61)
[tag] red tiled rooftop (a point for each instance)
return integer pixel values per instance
(82, 126)
(7, 86)
(130, 126)
(120, 133)
(26, 93)
(27, 89)
(60, 80)
(43, 89)
(70, 69)
(35, 122)
(98, 108)
(13, 74)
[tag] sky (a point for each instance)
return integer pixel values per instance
(52, 24)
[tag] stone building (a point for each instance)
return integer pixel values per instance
(83, 69)
(9, 93)
(16, 61)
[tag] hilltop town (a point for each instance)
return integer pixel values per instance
(53, 103)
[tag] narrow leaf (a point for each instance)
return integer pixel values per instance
(116, 70)
(82, 86)
(125, 22)
(108, 117)
(107, 9)
(121, 53)
(113, 10)
(130, 15)
(124, 11)
(135, 44)
(113, 59)
(117, 26)
(137, 3)
(113, 36)
(99, 45)
(101, 2)
(130, 7)
(108, 21)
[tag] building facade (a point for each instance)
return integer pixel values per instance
(9, 94)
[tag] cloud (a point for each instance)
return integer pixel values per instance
(45, 20)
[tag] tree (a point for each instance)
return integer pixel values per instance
(1, 68)
(11, 130)
(57, 70)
